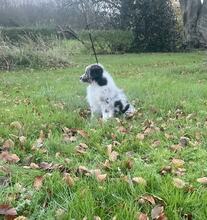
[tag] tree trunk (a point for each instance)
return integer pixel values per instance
(195, 22)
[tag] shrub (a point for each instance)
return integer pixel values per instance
(109, 42)
(30, 54)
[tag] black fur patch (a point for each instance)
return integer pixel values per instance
(96, 73)
(118, 104)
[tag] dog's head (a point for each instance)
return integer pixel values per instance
(94, 73)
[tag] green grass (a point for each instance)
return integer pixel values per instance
(159, 84)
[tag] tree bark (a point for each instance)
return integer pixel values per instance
(195, 22)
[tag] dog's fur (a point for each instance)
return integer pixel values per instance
(104, 97)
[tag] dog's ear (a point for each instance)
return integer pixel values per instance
(96, 72)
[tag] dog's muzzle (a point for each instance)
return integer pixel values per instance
(84, 78)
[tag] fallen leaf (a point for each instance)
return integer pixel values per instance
(7, 211)
(46, 166)
(38, 182)
(122, 130)
(81, 148)
(97, 218)
(165, 170)
(8, 144)
(107, 164)
(178, 183)
(83, 133)
(83, 170)
(11, 158)
(178, 162)
(113, 156)
(202, 180)
(16, 124)
(139, 180)
(69, 180)
(34, 166)
(184, 141)
(157, 213)
(176, 147)
(142, 216)
(129, 164)
(22, 140)
(147, 198)
(101, 177)
(140, 136)
(156, 143)
(21, 218)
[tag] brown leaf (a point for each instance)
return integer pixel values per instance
(83, 133)
(22, 140)
(16, 124)
(140, 136)
(142, 216)
(107, 164)
(178, 183)
(165, 170)
(101, 177)
(184, 141)
(69, 180)
(139, 180)
(122, 130)
(81, 148)
(7, 211)
(156, 143)
(34, 166)
(8, 144)
(129, 164)
(38, 182)
(178, 162)
(176, 147)
(202, 180)
(46, 166)
(157, 213)
(83, 170)
(148, 198)
(11, 158)
(21, 218)
(96, 218)
(113, 156)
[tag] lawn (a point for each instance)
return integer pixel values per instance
(69, 167)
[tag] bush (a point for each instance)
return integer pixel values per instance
(109, 42)
(30, 54)
(155, 27)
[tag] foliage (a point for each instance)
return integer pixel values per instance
(155, 27)
(110, 42)
(34, 54)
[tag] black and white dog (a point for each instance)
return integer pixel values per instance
(104, 97)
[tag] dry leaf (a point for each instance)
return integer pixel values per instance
(156, 143)
(148, 198)
(83, 133)
(34, 166)
(140, 136)
(142, 216)
(122, 130)
(178, 162)
(96, 218)
(12, 158)
(83, 170)
(113, 156)
(8, 144)
(38, 182)
(81, 148)
(165, 170)
(107, 164)
(69, 180)
(129, 164)
(22, 140)
(7, 211)
(139, 180)
(157, 213)
(202, 180)
(178, 183)
(21, 218)
(184, 141)
(176, 147)
(16, 125)
(101, 177)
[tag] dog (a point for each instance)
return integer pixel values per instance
(104, 97)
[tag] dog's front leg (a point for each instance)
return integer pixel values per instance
(107, 112)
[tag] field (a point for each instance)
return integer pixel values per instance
(58, 164)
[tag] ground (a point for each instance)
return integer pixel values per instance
(44, 118)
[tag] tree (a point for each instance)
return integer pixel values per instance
(154, 26)
(195, 22)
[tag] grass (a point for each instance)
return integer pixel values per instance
(166, 89)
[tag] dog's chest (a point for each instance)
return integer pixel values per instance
(97, 94)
